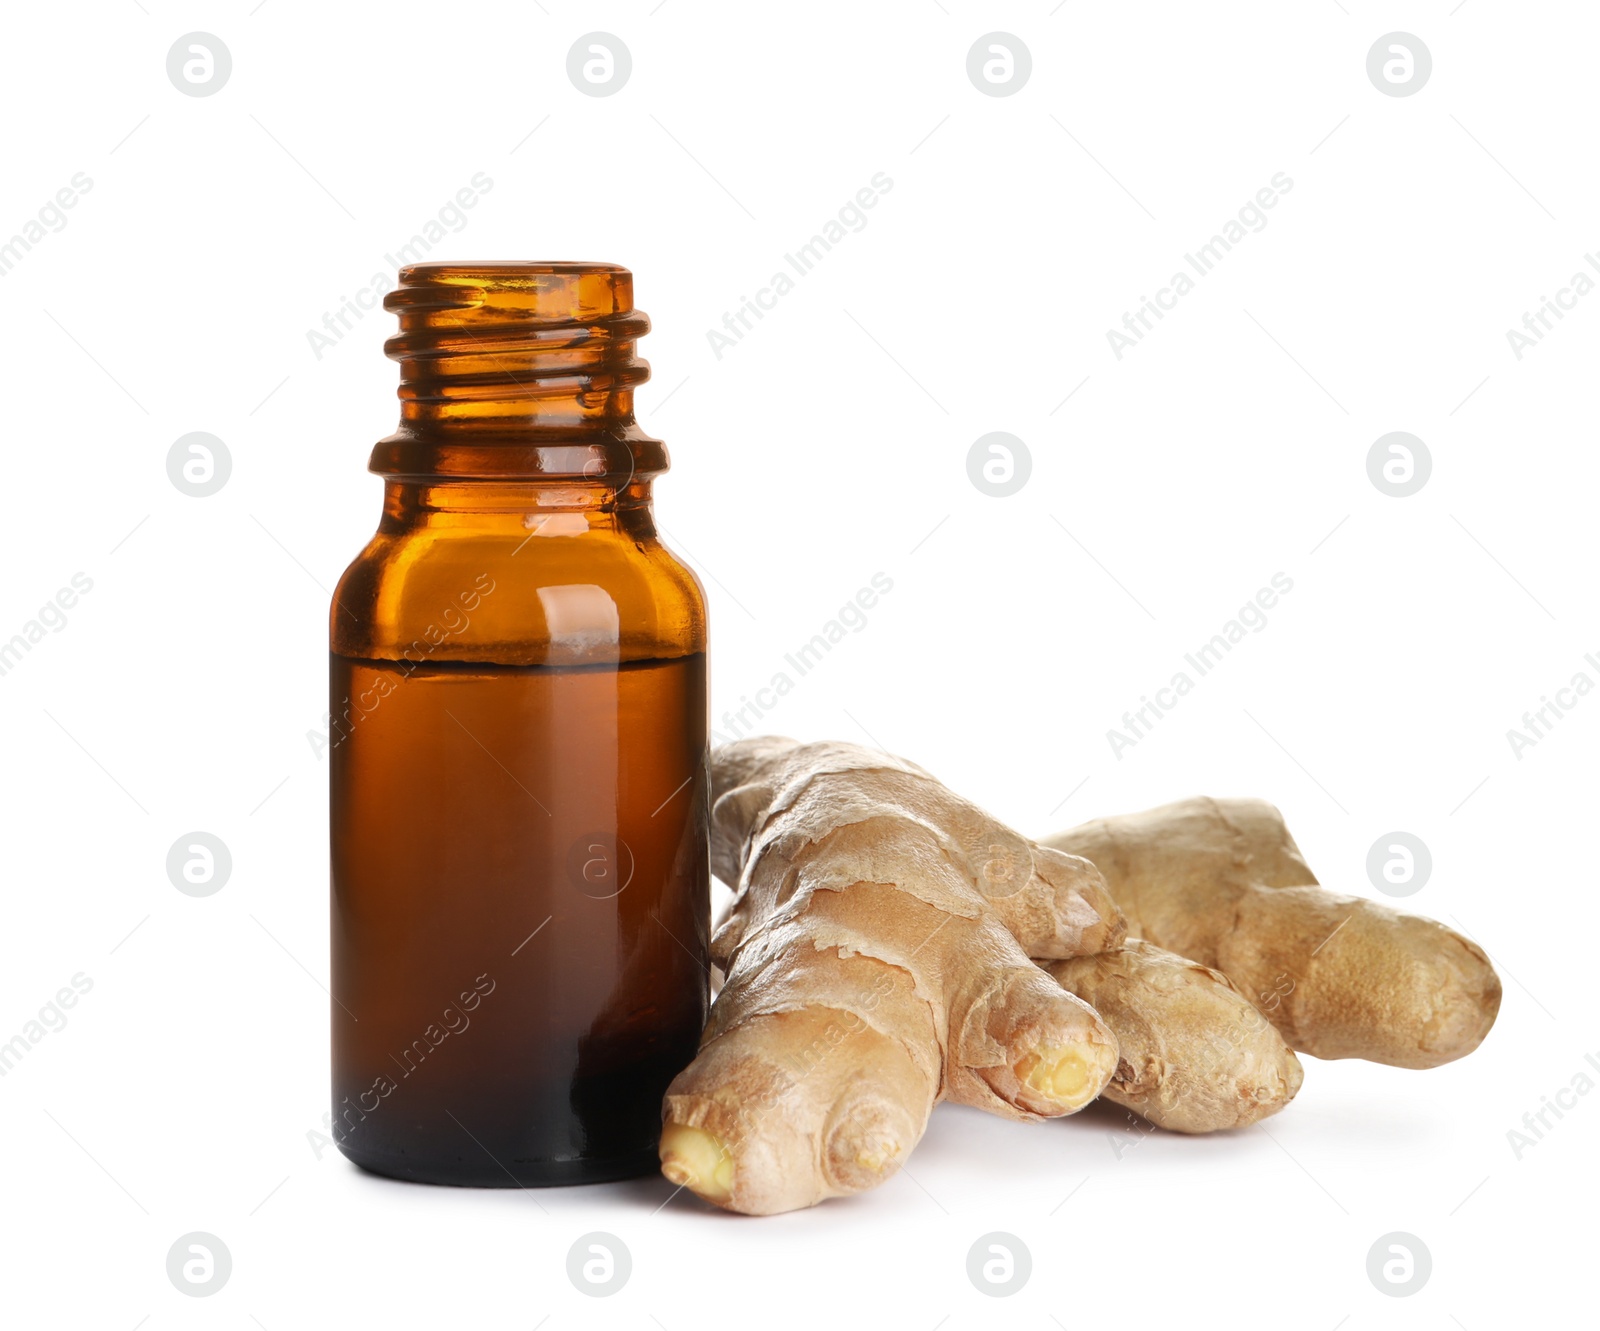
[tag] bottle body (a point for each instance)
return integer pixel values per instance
(519, 811)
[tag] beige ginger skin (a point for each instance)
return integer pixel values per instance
(876, 956)
(877, 961)
(1196, 1055)
(1222, 883)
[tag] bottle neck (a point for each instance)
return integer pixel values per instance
(525, 508)
(512, 371)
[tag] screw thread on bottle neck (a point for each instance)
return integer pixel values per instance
(518, 367)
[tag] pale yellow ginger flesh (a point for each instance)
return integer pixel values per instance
(877, 961)
(693, 1158)
(1059, 1076)
(1222, 883)
(1196, 1055)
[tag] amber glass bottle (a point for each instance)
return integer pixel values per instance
(520, 882)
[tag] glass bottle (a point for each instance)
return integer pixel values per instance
(519, 789)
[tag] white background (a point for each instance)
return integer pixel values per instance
(828, 445)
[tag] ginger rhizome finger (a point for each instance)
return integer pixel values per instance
(1222, 883)
(877, 961)
(1195, 1054)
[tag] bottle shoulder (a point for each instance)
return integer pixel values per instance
(558, 591)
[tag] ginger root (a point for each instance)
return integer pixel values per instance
(877, 961)
(1196, 1056)
(1223, 883)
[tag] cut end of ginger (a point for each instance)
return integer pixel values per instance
(865, 1148)
(696, 1159)
(1070, 1077)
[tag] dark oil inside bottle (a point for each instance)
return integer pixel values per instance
(519, 907)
